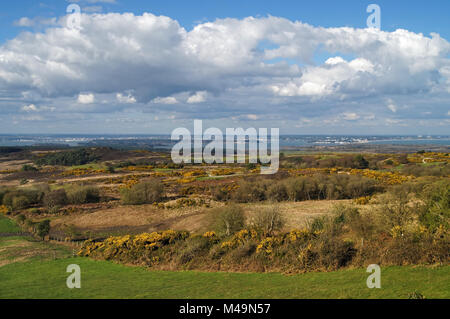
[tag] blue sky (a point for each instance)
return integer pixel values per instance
(237, 71)
(418, 16)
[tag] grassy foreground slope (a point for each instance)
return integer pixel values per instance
(102, 279)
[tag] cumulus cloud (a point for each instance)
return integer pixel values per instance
(198, 97)
(30, 108)
(86, 98)
(165, 100)
(350, 116)
(391, 106)
(160, 56)
(239, 65)
(129, 99)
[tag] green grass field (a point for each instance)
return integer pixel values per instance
(8, 226)
(102, 279)
(34, 269)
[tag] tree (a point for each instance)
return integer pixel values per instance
(361, 162)
(268, 221)
(55, 198)
(43, 228)
(229, 219)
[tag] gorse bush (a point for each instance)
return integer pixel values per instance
(435, 212)
(147, 192)
(346, 237)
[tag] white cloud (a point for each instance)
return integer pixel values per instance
(24, 22)
(129, 99)
(391, 106)
(350, 116)
(165, 100)
(252, 117)
(92, 9)
(334, 76)
(220, 55)
(86, 98)
(38, 21)
(198, 97)
(30, 108)
(226, 63)
(32, 118)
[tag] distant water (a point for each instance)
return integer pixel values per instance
(163, 141)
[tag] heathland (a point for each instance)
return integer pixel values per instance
(308, 231)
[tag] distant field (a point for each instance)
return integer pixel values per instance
(102, 279)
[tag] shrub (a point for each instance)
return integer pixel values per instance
(3, 192)
(43, 228)
(277, 192)
(360, 162)
(194, 247)
(250, 191)
(436, 211)
(83, 195)
(229, 219)
(20, 202)
(268, 221)
(396, 209)
(29, 168)
(221, 194)
(416, 295)
(32, 195)
(68, 158)
(30, 225)
(55, 198)
(143, 193)
(21, 219)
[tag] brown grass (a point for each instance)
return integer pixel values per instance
(146, 218)
(297, 214)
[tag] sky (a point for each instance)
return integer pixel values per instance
(148, 67)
